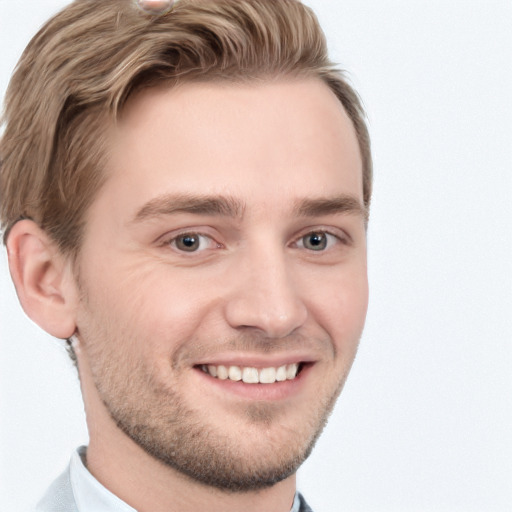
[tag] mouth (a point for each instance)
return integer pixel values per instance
(254, 375)
(253, 378)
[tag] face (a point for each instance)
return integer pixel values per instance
(223, 276)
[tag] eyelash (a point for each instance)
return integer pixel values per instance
(298, 242)
(192, 234)
(332, 238)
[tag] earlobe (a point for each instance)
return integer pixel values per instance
(43, 279)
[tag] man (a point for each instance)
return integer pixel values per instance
(185, 192)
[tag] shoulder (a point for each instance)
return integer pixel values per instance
(59, 496)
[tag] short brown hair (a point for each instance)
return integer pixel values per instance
(78, 71)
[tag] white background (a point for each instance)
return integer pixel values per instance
(425, 421)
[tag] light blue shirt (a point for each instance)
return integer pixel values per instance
(90, 496)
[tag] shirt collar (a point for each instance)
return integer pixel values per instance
(91, 496)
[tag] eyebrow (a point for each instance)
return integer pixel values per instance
(227, 206)
(169, 204)
(343, 204)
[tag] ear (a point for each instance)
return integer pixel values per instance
(43, 278)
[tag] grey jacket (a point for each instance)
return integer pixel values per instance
(59, 497)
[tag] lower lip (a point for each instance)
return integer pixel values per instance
(258, 392)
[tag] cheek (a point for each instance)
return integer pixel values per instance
(340, 306)
(153, 305)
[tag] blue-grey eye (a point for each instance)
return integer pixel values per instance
(315, 241)
(188, 242)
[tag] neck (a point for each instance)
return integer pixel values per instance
(148, 485)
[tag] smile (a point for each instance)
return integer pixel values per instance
(251, 375)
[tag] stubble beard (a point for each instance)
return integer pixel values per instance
(180, 438)
(158, 419)
(209, 458)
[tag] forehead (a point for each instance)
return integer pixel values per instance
(260, 142)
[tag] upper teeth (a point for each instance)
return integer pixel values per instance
(251, 375)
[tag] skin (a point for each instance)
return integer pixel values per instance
(282, 160)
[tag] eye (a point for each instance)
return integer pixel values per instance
(317, 241)
(192, 242)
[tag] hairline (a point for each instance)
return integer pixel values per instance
(262, 78)
(109, 109)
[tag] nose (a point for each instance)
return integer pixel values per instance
(265, 296)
